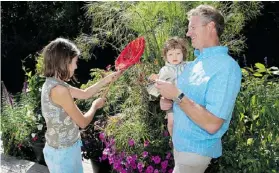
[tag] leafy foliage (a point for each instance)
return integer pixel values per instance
(251, 143)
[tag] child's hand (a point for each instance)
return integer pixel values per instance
(113, 76)
(153, 77)
(99, 103)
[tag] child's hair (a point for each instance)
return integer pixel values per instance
(175, 43)
(58, 54)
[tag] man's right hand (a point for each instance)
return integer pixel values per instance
(165, 104)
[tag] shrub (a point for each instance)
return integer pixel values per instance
(252, 141)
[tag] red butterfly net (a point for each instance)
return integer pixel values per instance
(129, 56)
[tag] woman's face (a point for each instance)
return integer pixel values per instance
(73, 66)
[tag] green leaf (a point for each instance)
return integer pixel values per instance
(253, 100)
(274, 68)
(258, 74)
(275, 72)
(250, 141)
(260, 66)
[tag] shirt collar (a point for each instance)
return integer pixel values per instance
(175, 65)
(211, 51)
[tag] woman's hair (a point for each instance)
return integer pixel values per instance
(58, 54)
(175, 43)
(208, 14)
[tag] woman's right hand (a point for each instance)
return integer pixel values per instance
(98, 103)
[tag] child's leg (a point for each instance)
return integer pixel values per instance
(170, 122)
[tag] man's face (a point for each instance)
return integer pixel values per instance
(198, 32)
(174, 56)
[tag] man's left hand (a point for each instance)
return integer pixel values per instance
(167, 89)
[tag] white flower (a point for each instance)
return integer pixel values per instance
(29, 113)
(40, 89)
(33, 135)
(40, 127)
(39, 116)
(34, 118)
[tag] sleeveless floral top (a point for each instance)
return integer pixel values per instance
(62, 131)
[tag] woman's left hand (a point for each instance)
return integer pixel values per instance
(113, 76)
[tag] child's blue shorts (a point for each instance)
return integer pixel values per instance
(64, 160)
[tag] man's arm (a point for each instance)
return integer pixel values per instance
(201, 116)
(220, 98)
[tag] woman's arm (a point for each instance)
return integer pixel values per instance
(60, 95)
(92, 90)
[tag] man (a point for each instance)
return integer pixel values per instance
(205, 94)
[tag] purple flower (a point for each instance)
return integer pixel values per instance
(149, 169)
(134, 165)
(166, 133)
(156, 159)
(156, 171)
(25, 86)
(168, 155)
(129, 159)
(146, 143)
(140, 166)
(170, 171)
(104, 157)
(144, 154)
(164, 164)
(102, 137)
(123, 171)
(265, 61)
(106, 151)
(131, 142)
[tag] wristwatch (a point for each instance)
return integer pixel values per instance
(178, 99)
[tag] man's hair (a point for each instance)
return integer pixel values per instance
(208, 14)
(58, 54)
(175, 43)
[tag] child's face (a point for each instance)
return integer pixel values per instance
(73, 66)
(174, 56)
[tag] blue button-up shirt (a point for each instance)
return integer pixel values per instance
(213, 81)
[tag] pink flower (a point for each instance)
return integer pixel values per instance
(170, 171)
(166, 133)
(164, 164)
(108, 67)
(144, 154)
(156, 159)
(146, 143)
(19, 146)
(156, 171)
(149, 169)
(131, 142)
(102, 136)
(168, 155)
(140, 166)
(35, 138)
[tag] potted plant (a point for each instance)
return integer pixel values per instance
(93, 146)
(17, 122)
(37, 139)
